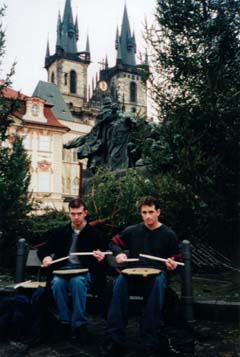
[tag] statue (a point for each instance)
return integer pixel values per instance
(118, 145)
(93, 144)
(107, 142)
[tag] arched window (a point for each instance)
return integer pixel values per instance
(52, 77)
(133, 92)
(65, 79)
(73, 82)
(76, 186)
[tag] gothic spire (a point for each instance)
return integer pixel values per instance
(47, 52)
(125, 43)
(67, 31)
(87, 50)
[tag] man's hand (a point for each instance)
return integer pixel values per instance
(99, 255)
(171, 264)
(120, 258)
(47, 261)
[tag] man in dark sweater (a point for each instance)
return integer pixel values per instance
(76, 237)
(153, 238)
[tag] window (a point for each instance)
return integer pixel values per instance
(73, 82)
(133, 92)
(65, 79)
(43, 181)
(76, 186)
(44, 143)
(35, 109)
(52, 77)
(26, 142)
(75, 155)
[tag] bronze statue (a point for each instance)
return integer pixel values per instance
(107, 142)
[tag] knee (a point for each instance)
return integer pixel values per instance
(58, 283)
(120, 283)
(161, 280)
(78, 282)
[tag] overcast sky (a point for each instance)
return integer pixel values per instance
(30, 23)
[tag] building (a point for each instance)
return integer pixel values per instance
(42, 135)
(66, 99)
(67, 68)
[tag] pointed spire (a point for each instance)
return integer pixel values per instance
(59, 27)
(47, 49)
(87, 45)
(126, 42)
(47, 53)
(106, 62)
(67, 31)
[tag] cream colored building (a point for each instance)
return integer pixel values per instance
(42, 135)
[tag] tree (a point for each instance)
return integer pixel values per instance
(195, 53)
(14, 166)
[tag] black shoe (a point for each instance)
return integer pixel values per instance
(111, 349)
(61, 333)
(81, 335)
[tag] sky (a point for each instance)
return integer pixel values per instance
(29, 24)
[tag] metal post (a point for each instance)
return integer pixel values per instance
(22, 249)
(80, 179)
(187, 291)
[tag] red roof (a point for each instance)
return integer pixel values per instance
(11, 93)
(52, 120)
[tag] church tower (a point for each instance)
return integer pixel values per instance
(126, 81)
(67, 67)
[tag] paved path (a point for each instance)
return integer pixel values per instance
(208, 338)
(211, 339)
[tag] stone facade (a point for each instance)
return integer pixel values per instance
(59, 73)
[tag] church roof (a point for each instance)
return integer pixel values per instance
(51, 93)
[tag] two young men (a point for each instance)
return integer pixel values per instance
(150, 237)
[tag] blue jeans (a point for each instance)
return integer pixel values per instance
(152, 315)
(75, 288)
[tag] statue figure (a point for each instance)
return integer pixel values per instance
(107, 142)
(118, 145)
(93, 144)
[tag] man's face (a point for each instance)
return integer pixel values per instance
(150, 215)
(77, 216)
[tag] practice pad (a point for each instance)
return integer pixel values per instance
(32, 284)
(141, 271)
(70, 271)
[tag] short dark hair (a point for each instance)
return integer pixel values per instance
(149, 201)
(77, 203)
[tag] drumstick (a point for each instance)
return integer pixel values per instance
(21, 284)
(131, 260)
(157, 258)
(88, 253)
(57, 260)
